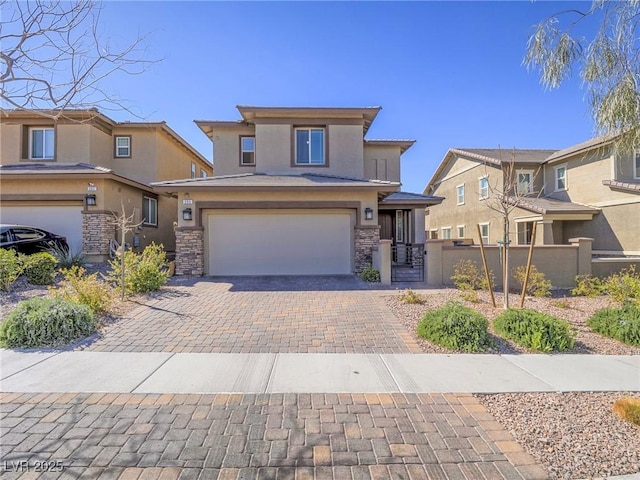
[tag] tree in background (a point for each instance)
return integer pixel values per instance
(55, 56)
(609, 63)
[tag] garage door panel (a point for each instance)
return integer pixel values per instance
(62, 220)
(292, 243)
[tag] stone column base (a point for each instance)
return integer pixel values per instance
(190, 251)
(365, 238)
(97, 231)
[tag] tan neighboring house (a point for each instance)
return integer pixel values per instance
(582, 191)
(71, 175)
(296, 191)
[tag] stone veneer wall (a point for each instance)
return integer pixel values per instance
(366, 237)
(97, 231)
(190, 251)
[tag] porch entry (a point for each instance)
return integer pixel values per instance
(407, 258)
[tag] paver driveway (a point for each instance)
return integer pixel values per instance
(261, 315)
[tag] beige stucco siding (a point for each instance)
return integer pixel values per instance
(10, 143)
(624, 168)
(226, 150)
(382, 162)
(141, 166)
(273, 148)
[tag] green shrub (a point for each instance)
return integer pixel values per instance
(588, 286)
(40, 268)
(535, 330)
(621, 323)
(411, 297)
(456, 327)
(84, 289)
(144, 273)
(537, 285)
(65, 258)
(624, 285)
(45, 322)
(10, 268)
(467, 276)
(370, 274)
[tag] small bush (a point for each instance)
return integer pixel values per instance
(10, 268)
(467, 276)
(456, 327)
(562, 304)
(40, 268)
(621, 323)
(470, 296)
(370, 274)
(84, 289)
(535, 330)
(144, 273)
(45, 322)
(65, 258)
(588, 286)
(624, 285)
(411, 297)
(629, 409)
(537, 285)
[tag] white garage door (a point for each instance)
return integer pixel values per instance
(279, 242)
(62, 220)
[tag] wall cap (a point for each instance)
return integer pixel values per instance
(580, 239)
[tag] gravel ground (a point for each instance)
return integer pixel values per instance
(576, 310)
(576, 435)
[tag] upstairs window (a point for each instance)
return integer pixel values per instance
(461, 231)
(247, 150)
(193, 170)
(150, 211)
(309, 146)
(41, 143)
(203, 174)
(561, 178)
(636, 165)
(525, 182)
(446, 233)
(123, 146)
(483, 187)
(460, 194)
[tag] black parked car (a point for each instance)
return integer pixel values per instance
(29, 239)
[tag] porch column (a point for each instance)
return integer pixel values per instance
(365, 238)
(584, 245)
(190, 251)
(544, 233)
(384, 262)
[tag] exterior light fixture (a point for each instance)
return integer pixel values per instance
(90, 200)
(368, 213)
(186, 214)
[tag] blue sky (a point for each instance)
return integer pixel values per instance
(448, 74)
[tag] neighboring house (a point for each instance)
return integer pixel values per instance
(296, 191)
(70, 176)
(582, 191)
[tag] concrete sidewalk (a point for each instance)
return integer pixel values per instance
(201, 373)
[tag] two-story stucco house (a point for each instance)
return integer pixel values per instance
(296, 191)
(583, 191)
(69, 176)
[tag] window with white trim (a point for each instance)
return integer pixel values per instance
(203, 174)
(247, 150)
(309, 146)
(560, 174)
(484, 233)
(461, 231)
(123, 146)
(150, 211)
(483, 187)
(41, 143)
(193, 170)
(636, 165)
(446, 233)
(524, 185)
(460, 194)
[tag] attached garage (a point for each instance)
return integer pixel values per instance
(279, 242)
(63, 220)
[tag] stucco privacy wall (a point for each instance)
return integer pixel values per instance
(559, 263)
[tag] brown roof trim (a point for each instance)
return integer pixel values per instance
(404, 144)
(90, 174)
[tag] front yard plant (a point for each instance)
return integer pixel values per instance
(10, 268)
(370, 274)
(143, 273)
(40, 268)
(588, 286)
(624, 286)
(46, 322)
(456, 327)
(535, 330)
(411, 297)
(629, 409)
(537, 284)
(621, 323)
(84, 289)
(467, 276)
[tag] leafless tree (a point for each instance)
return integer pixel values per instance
(504, 196)
(124, 224)
(55, 56)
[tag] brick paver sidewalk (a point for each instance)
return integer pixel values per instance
(268, 315)
(290, 436)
